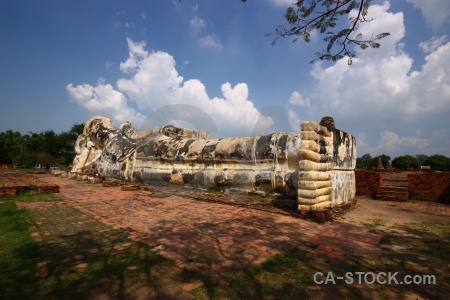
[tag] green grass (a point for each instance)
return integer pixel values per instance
(27, 170)
(18, 254)
(32, 196)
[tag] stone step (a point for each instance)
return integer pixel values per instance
(392, 193)
(399, 183)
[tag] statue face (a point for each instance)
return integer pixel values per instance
(100, 131)
(127, 130)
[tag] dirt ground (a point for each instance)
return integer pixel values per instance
(387, 213)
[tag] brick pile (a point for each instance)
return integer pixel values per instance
(110, 182)
(432, 187)
(16, 182)
(367, 182)
(130, 187)
(49, 188)
(7, 190)
(394, 187)
(392, 193)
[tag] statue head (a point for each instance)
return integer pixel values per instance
(100, 130)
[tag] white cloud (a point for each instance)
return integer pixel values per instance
(294, 120)
(136, 52)
(439, 133)
(155, 83)
(436, 12)
(432, 44)
(297, 99)
(378, 93)
(103, 99)
(197, 24)
(392, 142)
(210, 41)
(389, 142)
(362, 147)
(198, 29)
(108, 64)
(283, 2)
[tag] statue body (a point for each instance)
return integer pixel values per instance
(316, 165)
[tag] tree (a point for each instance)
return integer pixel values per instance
(366, 161)
(306, 17)
(385, 160)
(77, 129)
(438, 162)
(67, 143)
(46, 160)
(422, 158)
(14, 149)
(405, 162)
(46, 148)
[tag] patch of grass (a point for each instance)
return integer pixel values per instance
(378, 222)
(33, 196)
(18, 254)
(215, 191)
(25, 170)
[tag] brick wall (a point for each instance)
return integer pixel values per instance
(367, 182)
(433, 187)
(49, 188)
(7, 190)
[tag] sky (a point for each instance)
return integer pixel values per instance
(207, 64)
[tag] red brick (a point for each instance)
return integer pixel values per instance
(7, 190)
(433, 187)
(367, 182)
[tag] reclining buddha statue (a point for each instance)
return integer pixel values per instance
(317, 164)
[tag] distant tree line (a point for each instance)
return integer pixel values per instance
(45, 148)
(436, 162)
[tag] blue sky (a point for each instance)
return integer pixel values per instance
(62, 62)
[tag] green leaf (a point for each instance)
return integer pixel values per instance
(291, 15)
(365, 9)
(363, 46)
(374, 45)
(352, 5)
(344, 32)
(382, 35)
(274, 41)
(307, 37)
(330, 44)
(309, 10)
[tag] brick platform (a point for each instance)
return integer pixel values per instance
(13, 183)
(392, 193)
(210, 237)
